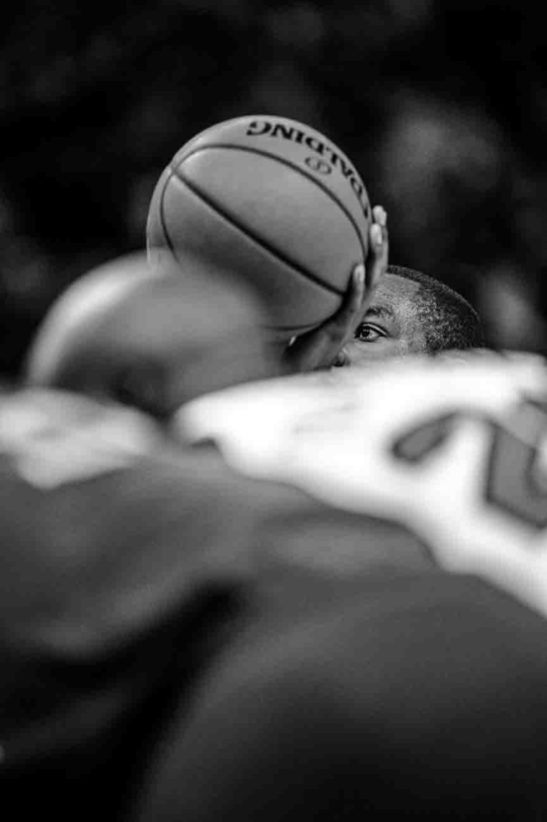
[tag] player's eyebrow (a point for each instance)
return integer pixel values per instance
(381, 311)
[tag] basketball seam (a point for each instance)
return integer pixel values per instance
(171, 247)
(259, 241)
(289, 164)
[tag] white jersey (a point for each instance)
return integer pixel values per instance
(455, 450)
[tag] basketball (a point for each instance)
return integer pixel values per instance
(271, 201)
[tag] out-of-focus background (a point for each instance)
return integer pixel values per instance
(441, 104)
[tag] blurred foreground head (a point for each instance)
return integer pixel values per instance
(150, 338)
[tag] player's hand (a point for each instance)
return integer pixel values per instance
(320, 347)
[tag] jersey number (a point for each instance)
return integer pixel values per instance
(515, 482)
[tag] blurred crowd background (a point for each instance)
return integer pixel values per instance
(441, 104)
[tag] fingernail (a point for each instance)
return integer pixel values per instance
(376, 234)
(342, 360)
(359, 274)
(380, 215)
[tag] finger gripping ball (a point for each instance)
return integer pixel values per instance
(274, 202)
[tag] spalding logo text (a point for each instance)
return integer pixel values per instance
(259, 128)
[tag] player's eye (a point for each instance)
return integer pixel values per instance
(365, 332)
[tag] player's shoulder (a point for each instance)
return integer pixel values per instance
(260, 425)
(50, 438)
(476, 379)
(453, 447)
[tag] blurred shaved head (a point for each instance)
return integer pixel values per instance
(150, 338)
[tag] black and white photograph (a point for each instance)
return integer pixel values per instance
(273, 411)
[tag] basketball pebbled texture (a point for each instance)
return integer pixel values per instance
(273, 201)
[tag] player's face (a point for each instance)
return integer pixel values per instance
(390, 326)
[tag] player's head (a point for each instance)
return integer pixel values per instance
(151, 339)
(411, 313)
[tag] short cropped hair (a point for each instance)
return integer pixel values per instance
(447, 319)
